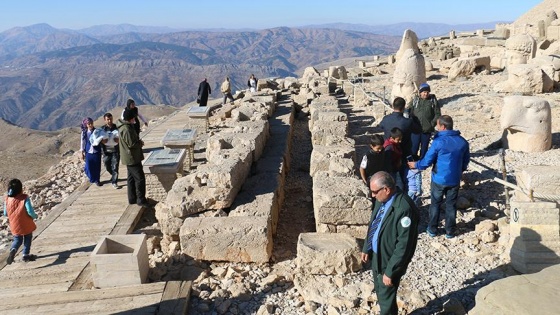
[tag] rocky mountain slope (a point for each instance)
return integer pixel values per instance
(70, 75)
(538, 12)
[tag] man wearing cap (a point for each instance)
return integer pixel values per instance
(425, 107)
(130, 148)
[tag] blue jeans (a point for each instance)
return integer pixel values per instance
(111, 161)
(26, 240)
(437, 193)
(420, 141)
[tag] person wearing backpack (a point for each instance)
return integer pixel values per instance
(425, 108)
(20, 213)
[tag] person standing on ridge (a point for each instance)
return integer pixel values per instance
(130, 148)
(203, 91)
(111, 149)
(131, 105)
(90, 141)
(252, 83)
(226, 90)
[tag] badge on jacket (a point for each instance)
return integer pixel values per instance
(405, 222)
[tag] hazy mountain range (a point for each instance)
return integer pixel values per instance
(51, 78)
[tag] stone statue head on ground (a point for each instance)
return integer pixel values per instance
(526, 121)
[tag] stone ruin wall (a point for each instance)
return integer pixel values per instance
(244, 174)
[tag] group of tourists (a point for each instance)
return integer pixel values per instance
(204, 90)
(113, 143)
(392, 170)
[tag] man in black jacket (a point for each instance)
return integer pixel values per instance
(408, 126)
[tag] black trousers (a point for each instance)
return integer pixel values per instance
(136, 184)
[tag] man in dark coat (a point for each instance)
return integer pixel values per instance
(426, 108)
(408, 126)
(391, 239)
(203, 91)
(130, 148)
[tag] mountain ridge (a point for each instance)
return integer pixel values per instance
(55, 88)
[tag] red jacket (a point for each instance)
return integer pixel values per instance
(20, 222)
(396, 152)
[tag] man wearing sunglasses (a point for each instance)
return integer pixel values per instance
(391, 239)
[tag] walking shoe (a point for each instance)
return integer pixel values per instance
(430, 233)
(449, 236)
(99, 184)
(116, 186)
(30, 257)
(11, 257)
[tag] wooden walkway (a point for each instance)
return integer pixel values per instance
(60, 280)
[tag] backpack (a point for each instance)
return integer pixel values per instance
(432, 98)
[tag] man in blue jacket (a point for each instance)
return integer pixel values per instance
(449, 155)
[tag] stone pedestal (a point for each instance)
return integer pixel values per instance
(199, 118)
(181, 139)
(161, 168)
(535, 235)
(120, 260)
(326, 254)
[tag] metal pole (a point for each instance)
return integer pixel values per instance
(504, 177)
(384, 107)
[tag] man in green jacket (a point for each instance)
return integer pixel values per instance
(130, 147)
(426, 108)
(391, 239)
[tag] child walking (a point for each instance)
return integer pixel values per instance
(414, 177)
(393, 146)
(20, 213)
(375, 160)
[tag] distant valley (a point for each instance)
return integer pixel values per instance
(51, 78)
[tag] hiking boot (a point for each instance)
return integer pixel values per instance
(30, 257)
(11, 257)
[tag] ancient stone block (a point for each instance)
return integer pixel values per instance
(327, 254)
(120, 260)
(520, 294)
(254, 141)
(467, 66)
(335, 160)
(169, 224)
(527, 79)
(541, 179)
(157, 185)
(236, 239)
(323, 129)
(534, 235)
(340, 200)
(259, 196)
(213, 186)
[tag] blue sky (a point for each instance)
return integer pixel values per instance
(77, 14)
